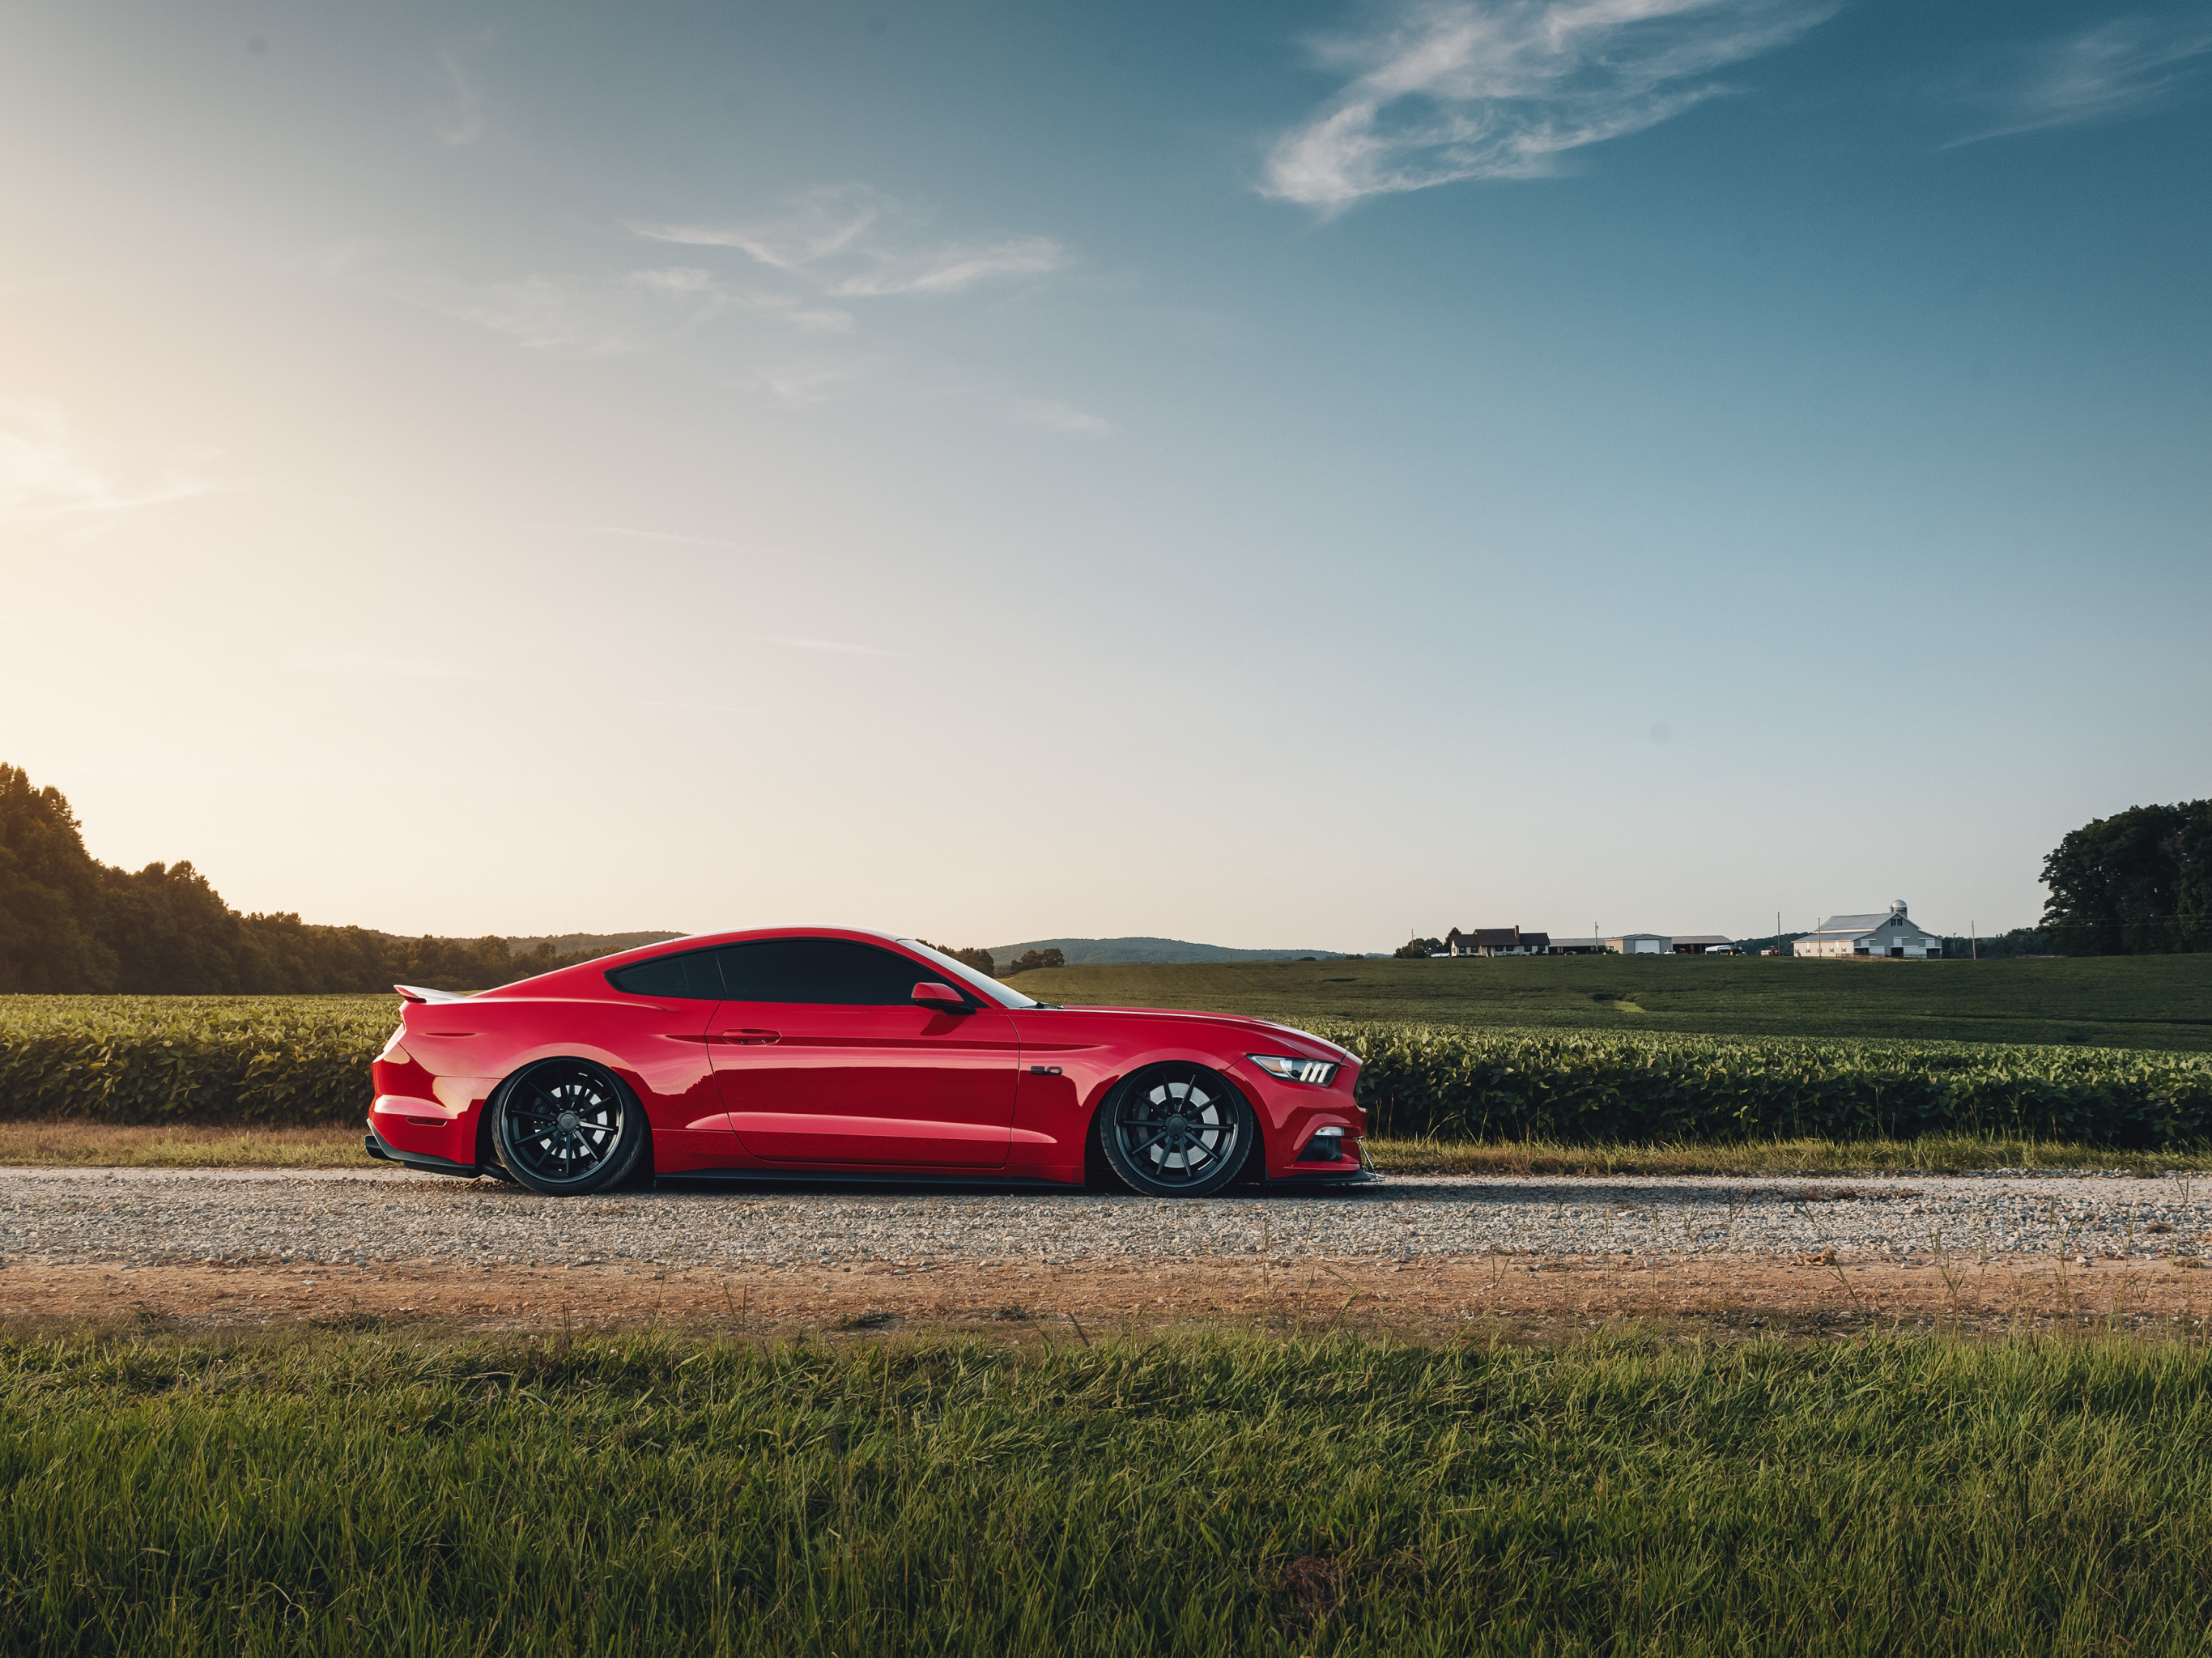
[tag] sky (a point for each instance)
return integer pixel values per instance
(1284, 476)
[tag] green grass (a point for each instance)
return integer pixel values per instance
(665, 1495)
(2141, 1001)
(103, 1145)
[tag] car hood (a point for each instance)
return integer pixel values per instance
(1300, 1039)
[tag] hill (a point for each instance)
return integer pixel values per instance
(2140, 1001)
(1099, 952)
(585, 944)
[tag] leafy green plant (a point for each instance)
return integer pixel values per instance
(302, 1061)
(1573, 1088)
(267, 1060)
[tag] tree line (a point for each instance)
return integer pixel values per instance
(984, 962)
(71, 923)
(2138, 883)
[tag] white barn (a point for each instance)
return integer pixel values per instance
(1893, 935)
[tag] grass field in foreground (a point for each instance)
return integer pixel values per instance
(2140, 1001)
(88, 1145)
(106, 1145)
(1197, 1496)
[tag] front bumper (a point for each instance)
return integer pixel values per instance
(1291, 1117)
(1350, 1172)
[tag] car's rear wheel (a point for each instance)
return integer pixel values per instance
(1176, 1131)
(567, 1126)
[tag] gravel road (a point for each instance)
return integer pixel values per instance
(136, 1217)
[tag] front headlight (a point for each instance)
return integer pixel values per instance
(1319, 1072)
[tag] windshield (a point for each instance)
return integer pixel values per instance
(982, 983)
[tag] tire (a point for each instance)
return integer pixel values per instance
(565, 1127)
(1176, 1131)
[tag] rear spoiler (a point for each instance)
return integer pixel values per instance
(417, 993)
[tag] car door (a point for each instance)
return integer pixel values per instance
(822, 1057)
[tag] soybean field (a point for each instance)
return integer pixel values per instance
(2160, 1002)
(299, 1062)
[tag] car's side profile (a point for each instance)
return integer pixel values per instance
(829, 1051)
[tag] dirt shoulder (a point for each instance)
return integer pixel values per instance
(1083, 1300)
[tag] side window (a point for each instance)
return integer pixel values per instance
(834, 970)
(692, 977)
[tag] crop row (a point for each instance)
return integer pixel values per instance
(1626, 1088)
(269, 1061)
(283, 1061)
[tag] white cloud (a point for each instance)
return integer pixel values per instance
(696, 708)
(598, 316)
(852, 242)
(667, 537)
(835, 646)
(1506, 88)
(2117, 69)
(370, 665)
(804, 382)
(45, 472)
(462, 124)
(1063, 418)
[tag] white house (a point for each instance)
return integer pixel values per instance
(1892, 935)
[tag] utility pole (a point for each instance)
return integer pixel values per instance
(1973, 944)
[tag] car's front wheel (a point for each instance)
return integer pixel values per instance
(567, 1126)
(1176, 1131)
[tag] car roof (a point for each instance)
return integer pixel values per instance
(599, 966)
(703, 940)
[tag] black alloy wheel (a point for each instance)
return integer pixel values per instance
(567, 1127)
(1176, 1131)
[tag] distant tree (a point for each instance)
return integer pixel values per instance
(2002, 946)
(50, 894)
(1418, 948)
(172, 934)
(1030, 959)
(977, 957)
(2137, 882)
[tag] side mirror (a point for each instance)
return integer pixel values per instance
(939, 998)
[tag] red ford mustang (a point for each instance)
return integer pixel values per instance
(827, 1053)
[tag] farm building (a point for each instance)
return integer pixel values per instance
(1497, 941)
(1894, 935)
(1664, 944)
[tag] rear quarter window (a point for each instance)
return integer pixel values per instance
(692, 977)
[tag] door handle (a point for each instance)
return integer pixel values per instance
(752, 1035)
